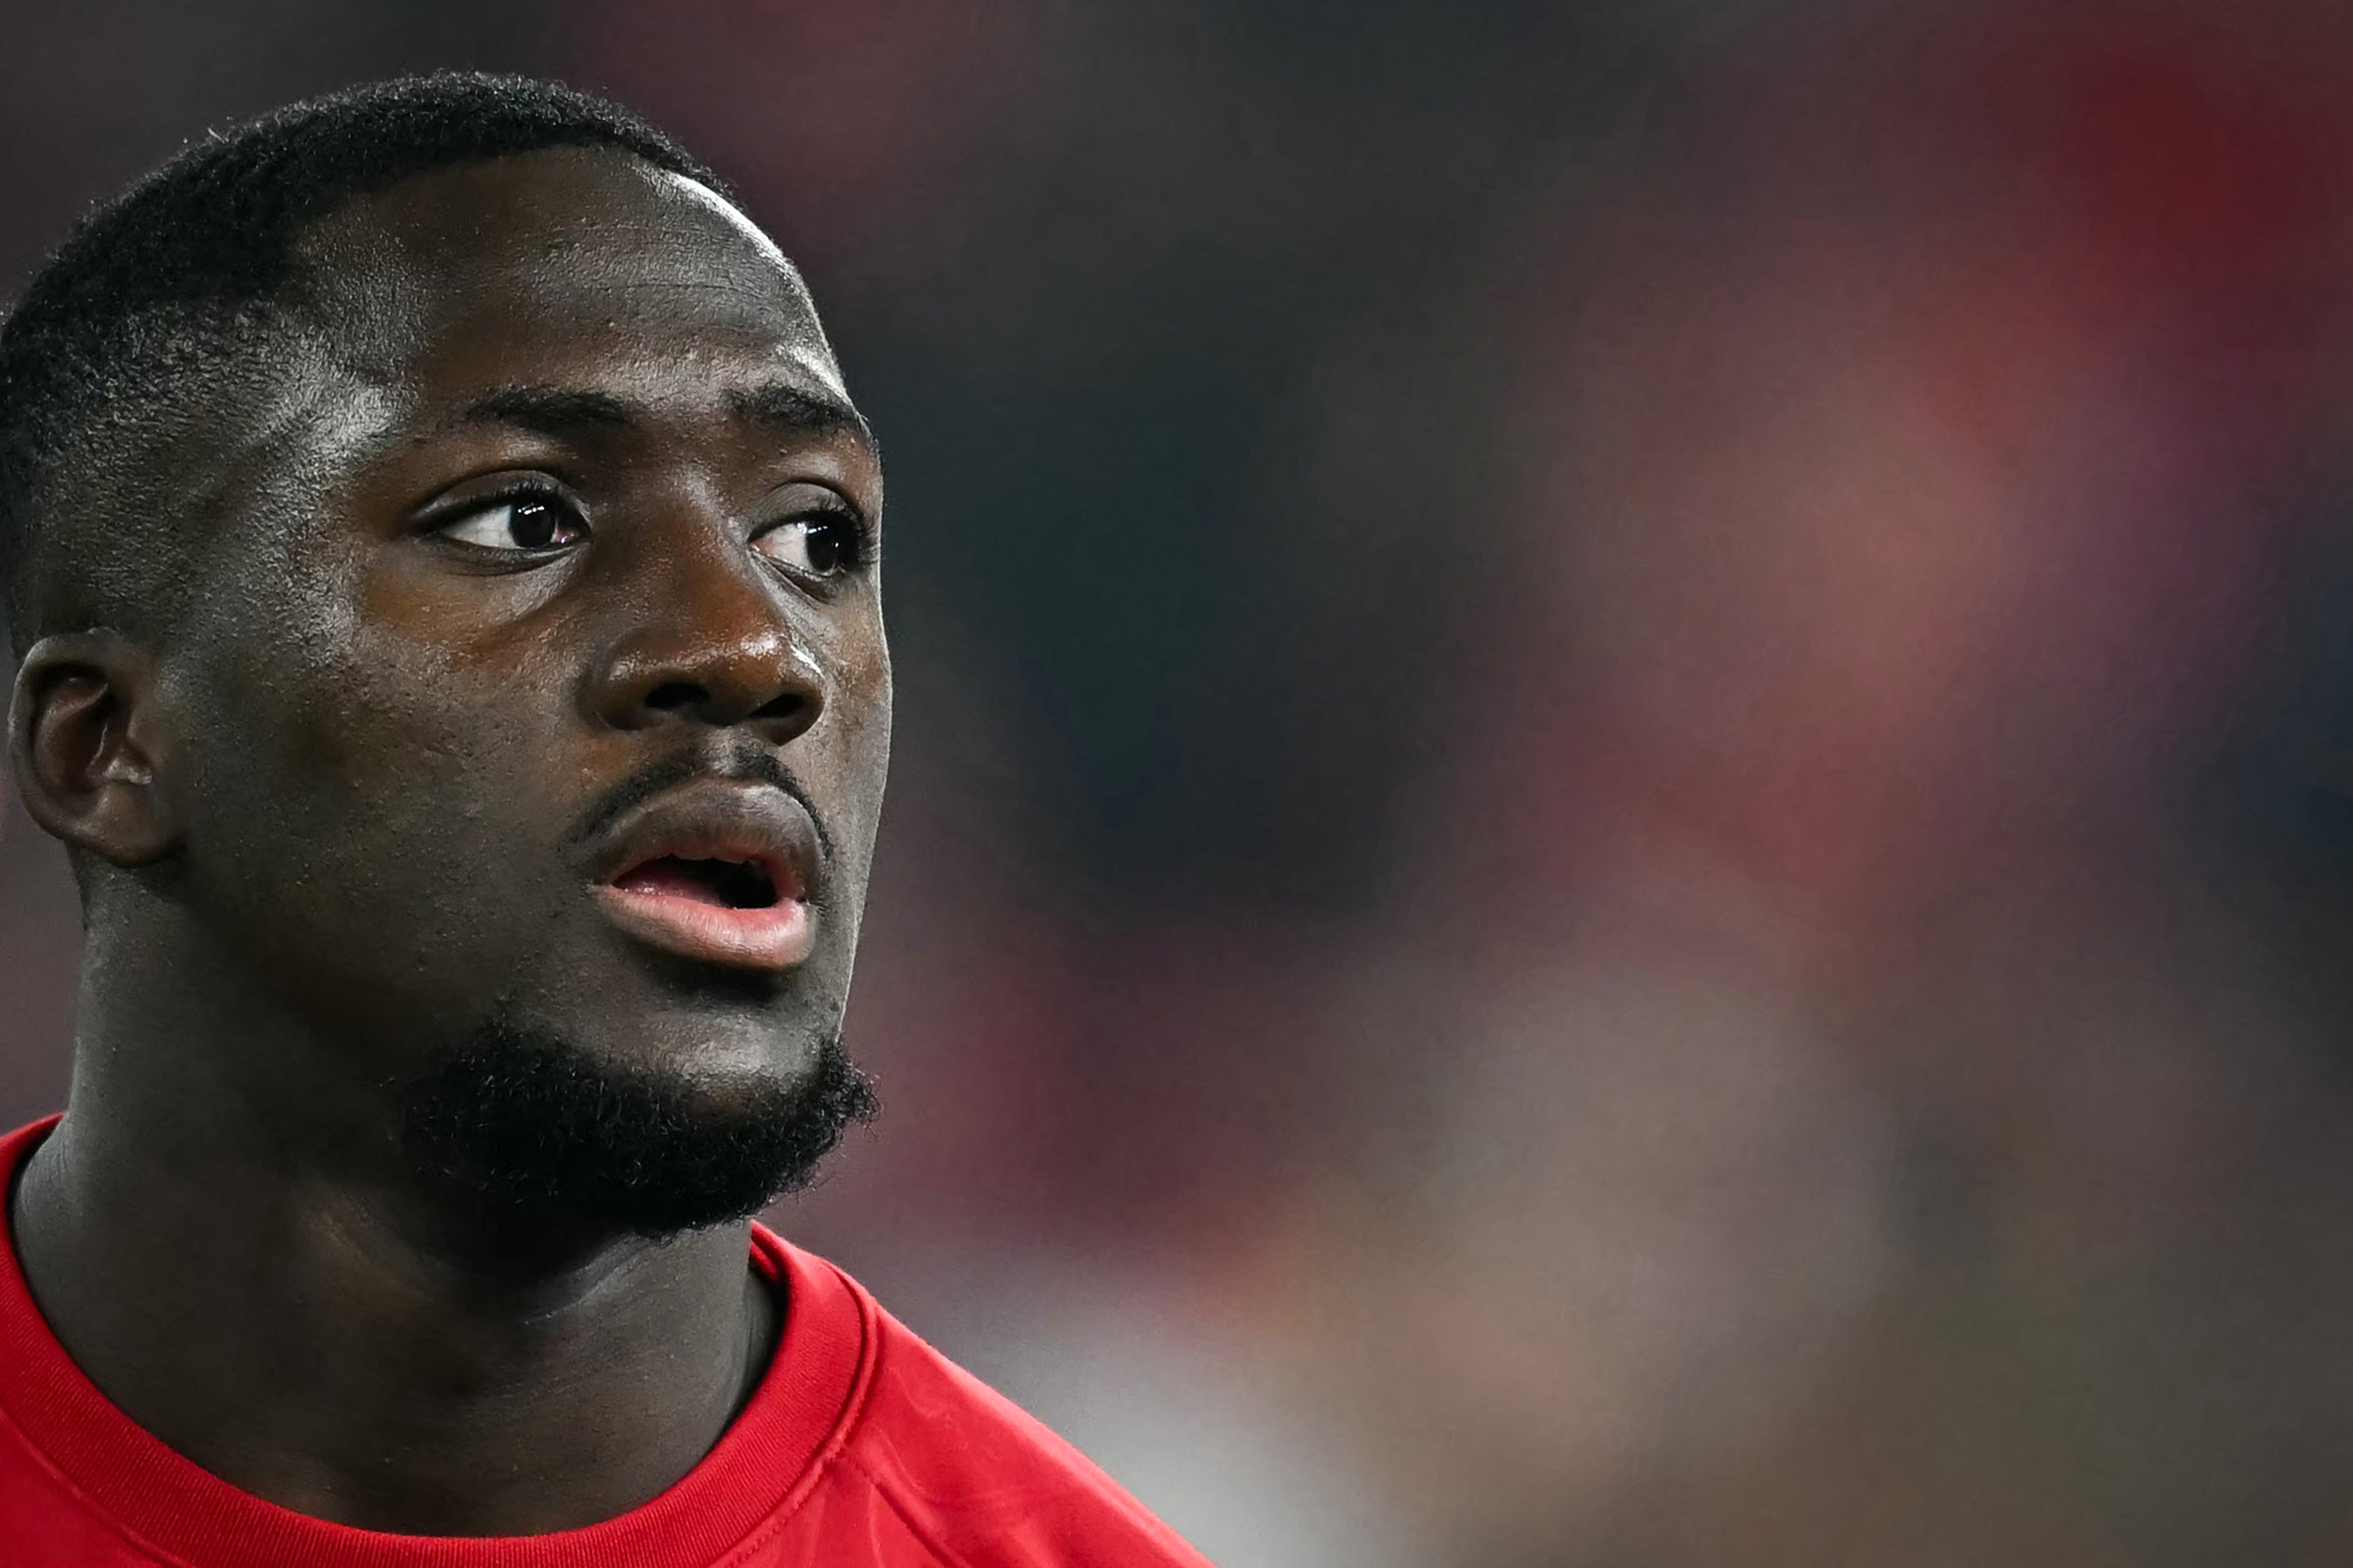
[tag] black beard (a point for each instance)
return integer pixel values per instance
(527, 1121)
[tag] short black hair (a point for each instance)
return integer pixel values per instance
(196, 262)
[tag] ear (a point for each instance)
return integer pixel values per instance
(82, 734)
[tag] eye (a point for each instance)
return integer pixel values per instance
(815, 544)
(518, 522)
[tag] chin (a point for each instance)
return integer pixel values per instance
(529, 1119)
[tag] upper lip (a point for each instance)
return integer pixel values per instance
(717, 818)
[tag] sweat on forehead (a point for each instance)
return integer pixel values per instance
(180, 286)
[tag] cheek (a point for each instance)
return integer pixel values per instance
(361, 726)
(869, 694)
(368, 807)
(859, 719)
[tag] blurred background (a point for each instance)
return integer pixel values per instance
(1624, 811)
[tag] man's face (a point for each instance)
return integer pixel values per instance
(536, 675)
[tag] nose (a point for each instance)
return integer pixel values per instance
(714, 644)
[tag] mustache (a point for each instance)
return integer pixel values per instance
(751, 765)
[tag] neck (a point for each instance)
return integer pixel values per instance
(263, 1280)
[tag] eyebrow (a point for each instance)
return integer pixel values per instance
(557, 411)
(797, 411)
(574, 413)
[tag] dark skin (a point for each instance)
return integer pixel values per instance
(570, 495)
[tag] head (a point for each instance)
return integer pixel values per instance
(442, 551)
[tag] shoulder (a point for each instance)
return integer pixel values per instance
(981, 1481)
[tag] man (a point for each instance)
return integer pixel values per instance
(441, 555)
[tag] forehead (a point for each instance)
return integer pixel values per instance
(561, 266)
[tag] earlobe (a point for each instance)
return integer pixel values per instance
(82, 746)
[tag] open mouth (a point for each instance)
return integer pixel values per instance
(717, 871)
(742, 909)
(724, 884)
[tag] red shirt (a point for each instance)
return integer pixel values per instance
(862, 1444)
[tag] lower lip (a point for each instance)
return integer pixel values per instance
(777, 937)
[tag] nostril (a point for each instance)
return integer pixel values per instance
(677, 693)
(785, 707)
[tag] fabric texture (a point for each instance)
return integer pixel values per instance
(861, 1446)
